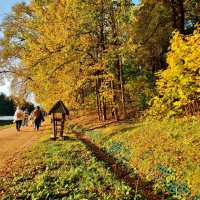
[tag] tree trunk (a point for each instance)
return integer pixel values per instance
(104, 109)
(114, 107)
(122, 90)
(98, 100)
(178, 14)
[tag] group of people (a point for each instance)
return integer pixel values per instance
(22, 117)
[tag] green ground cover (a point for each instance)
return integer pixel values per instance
(166, 152)
(63, 169)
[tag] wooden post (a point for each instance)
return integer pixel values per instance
(54, 126)
(62, 124)
(59, 112)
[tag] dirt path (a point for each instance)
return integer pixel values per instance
(14, 143)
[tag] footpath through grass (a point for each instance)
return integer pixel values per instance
(63, 169)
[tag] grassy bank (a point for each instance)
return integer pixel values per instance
(166, 152)
(63, 169)
(118, 161)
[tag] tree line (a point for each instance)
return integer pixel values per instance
(103, 54)
(8, 105)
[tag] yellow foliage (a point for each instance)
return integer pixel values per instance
(178, 85)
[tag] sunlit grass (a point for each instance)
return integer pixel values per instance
(164, 152)
(63, 170)
(173, 144)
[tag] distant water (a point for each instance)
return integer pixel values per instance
(2, 118)
(5, 120)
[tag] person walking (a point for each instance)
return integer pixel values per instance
(26, 116)
(18, 118)
(31, 118)
(37, 118)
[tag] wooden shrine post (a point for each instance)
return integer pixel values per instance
(59, 112)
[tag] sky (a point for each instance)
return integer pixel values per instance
(5, 8)
(6, 5)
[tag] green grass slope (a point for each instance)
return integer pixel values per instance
(63, 169)
(166, 153)
(112, 160)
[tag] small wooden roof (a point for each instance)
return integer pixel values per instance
(59, 107)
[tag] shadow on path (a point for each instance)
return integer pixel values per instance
(121, 172)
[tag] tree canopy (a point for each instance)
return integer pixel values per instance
(97, 54)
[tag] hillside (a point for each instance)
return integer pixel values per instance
(165, 153)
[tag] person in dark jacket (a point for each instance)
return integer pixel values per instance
(37, 114)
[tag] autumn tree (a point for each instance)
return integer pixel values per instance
(156, 20)
(13, 46)
(87, 53)
(178, 85)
